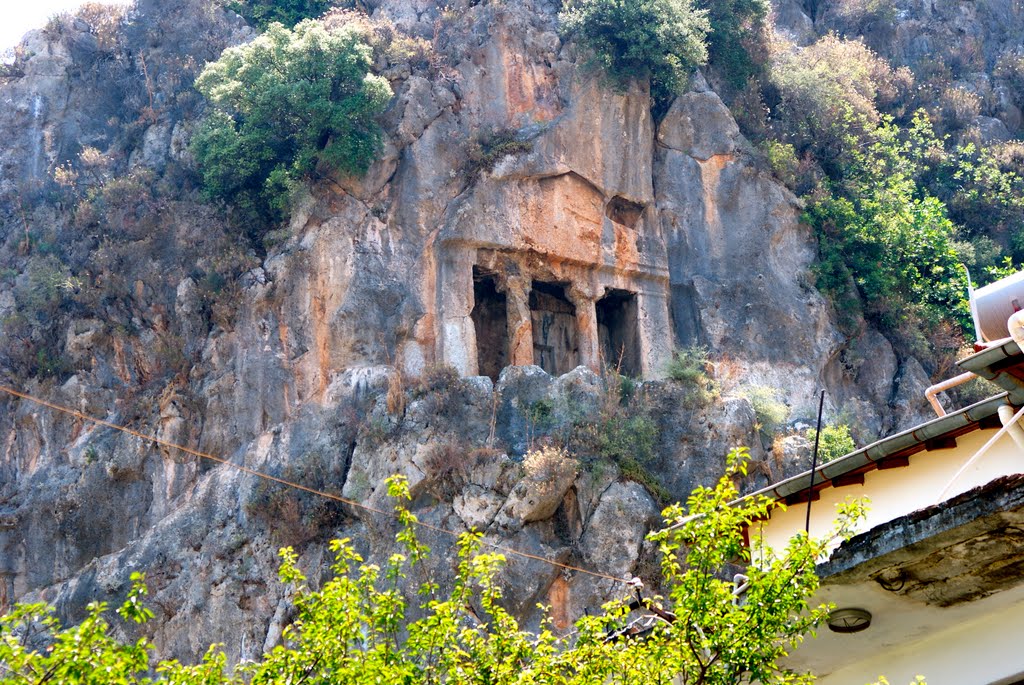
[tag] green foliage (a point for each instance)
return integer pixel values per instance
(690, 366)
(738, 37)
(540, 416)
(770, 411)
(659, 39)
(263, 13)
(48, 364)
(880, 231)
(982, 187)
(621, 437)
(86, 653)
(282, 105)
(828, 92)
(900, 208)
(47, 285)
(782, 159)
(358, 626)
(918, 680)
(835, 442)
(624, 434)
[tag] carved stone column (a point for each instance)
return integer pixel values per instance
(586, 328)
(520, 328)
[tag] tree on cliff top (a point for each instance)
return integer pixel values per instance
(263, 13)
(660, 39)
(283, 104)
(354, 629)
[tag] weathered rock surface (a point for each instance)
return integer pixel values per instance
(305, 363)
(967, 38)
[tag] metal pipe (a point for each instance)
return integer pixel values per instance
(984, 448)
(934, 390)
(1012, 427)
(1015, 324)
(978, 335)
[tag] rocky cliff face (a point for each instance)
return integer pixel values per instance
(960, 42)
(625, 236)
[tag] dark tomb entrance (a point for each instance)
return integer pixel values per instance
(553, 316)
(617, 332)
(490, 319)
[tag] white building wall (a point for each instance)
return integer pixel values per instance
(984, 651)
(899, 491)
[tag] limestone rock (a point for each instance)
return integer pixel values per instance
(991, 130)
(156, 142)
(477, 507)
(793, 453)
(82, 336)
(792, 20)
(616, 530)
(699, 125)
(601, 240)
(549, 472)
(911, 384)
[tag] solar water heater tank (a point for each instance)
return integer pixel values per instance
(993, 305)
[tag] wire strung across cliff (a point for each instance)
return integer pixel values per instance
(290, 484)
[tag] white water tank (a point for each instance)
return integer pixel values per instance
(993, 304)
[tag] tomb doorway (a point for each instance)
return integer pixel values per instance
(617, 332)
(553, 318)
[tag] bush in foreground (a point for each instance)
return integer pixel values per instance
(355, 629)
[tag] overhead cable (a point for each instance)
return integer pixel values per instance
(291, 484)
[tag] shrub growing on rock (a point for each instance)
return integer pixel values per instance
(293, 517)
(738, 36)
(880, 231)
(282, 105)
(263, 13)
(690, 366)
(548, 466)
(448, 465)
(828, 92)
(770, 411)
(624, 433)
(660, 39)
(359, 627)
(490, 147)
(835, 442)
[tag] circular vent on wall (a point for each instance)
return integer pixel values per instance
(849, 620)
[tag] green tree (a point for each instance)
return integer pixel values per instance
(660, 39)
(881, 232)
(356, 627)
(827, 96)
(835, 442)
(282, 105)
(738, 38)
(263, 13)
